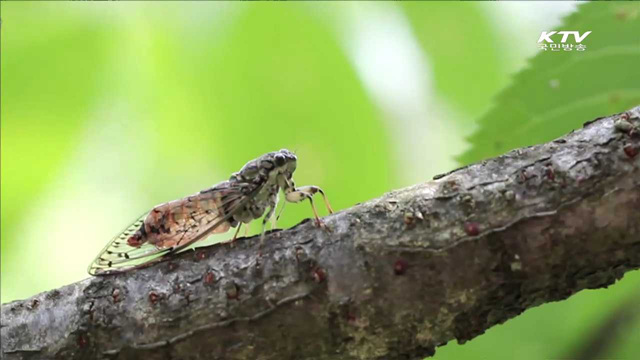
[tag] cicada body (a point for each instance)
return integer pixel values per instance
(171, 227)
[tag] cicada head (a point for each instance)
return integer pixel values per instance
(267, 166)
(286, 162)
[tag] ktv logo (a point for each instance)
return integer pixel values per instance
(545, 41)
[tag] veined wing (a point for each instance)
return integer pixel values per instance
(171, 227)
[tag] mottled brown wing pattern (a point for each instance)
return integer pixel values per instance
(178, 221)
(172, 226)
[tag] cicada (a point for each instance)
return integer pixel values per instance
(172, 226)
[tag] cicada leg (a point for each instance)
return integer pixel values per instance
(281, 211)
(266, 218)
(235, 236)
(298, 194)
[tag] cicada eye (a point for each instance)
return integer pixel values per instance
(279, 160)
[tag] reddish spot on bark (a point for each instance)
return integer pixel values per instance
(209, 278)
(452, 184)
(115, 294)
(630, 150)
(34, 304)
(318, 275)
(409, 220)
(153, 298)
(201, 255)
(549, 173)
(472, 228)
(400, 267)
(300, 254)
(187, 296)
(232, 292)
(82, 340)
(177, 288)
(351, 317)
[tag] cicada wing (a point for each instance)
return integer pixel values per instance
(118, 250)
(119, 256)
(235, 197)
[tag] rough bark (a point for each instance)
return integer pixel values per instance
(394, 278)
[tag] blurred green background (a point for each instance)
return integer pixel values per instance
(110, 108)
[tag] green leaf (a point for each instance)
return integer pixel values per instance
(464, 50)
(559, 91)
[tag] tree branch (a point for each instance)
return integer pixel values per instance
(394, 278)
